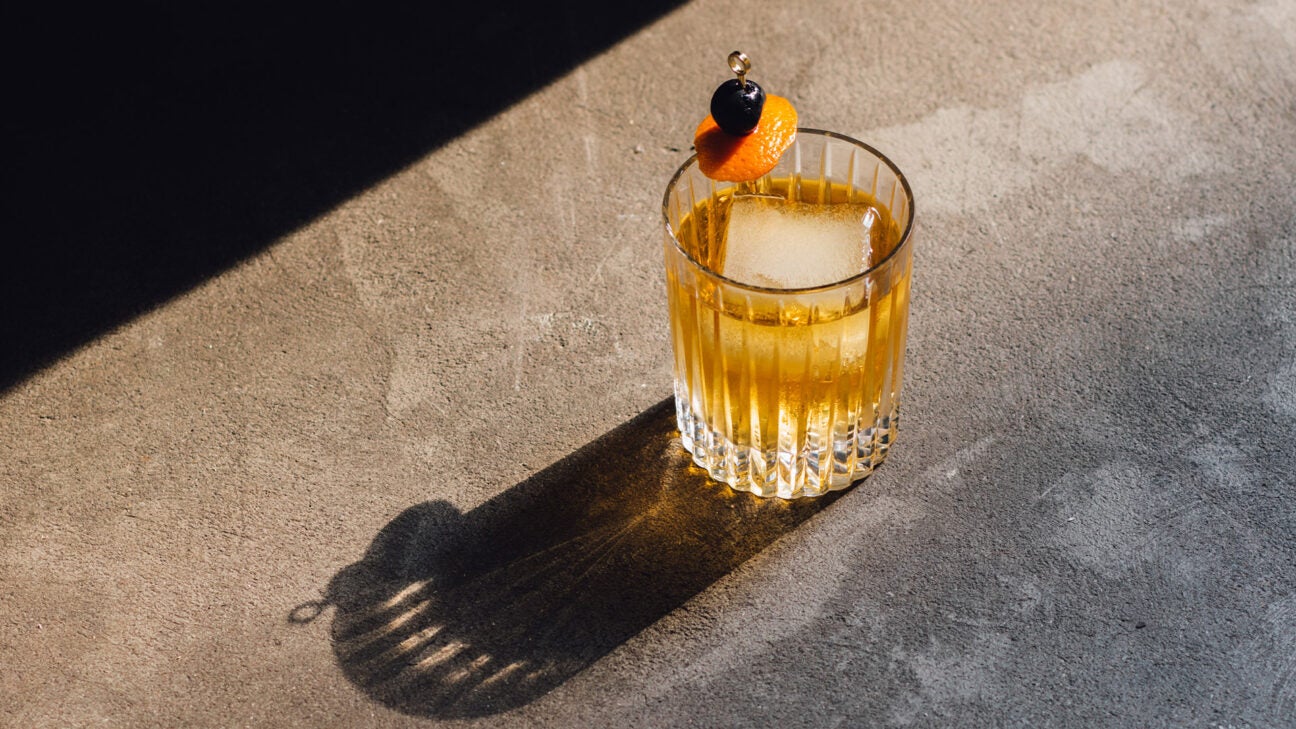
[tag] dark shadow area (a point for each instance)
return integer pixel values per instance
(460, 615)
(151, 146)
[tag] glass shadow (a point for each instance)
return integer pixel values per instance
(455, 614)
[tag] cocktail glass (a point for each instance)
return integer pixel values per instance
(790, 392)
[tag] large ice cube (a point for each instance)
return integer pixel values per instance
(779, 244)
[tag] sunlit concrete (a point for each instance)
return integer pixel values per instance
(1087, 519)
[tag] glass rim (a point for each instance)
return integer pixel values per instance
(905, 235)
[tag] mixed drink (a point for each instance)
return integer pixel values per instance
(789, 299)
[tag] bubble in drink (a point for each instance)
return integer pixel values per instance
(777, 243)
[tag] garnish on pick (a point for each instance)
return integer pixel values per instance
(747, 130)
(736, 105)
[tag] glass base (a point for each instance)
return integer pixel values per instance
(822, 464)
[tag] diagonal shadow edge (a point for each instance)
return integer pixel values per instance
(155, 146)
(455, 614)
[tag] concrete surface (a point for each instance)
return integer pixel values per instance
(410, 463)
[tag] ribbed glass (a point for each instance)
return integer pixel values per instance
(789, 392)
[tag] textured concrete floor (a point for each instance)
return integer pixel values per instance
(410, 463)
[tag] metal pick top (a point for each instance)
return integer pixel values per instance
(740, 64)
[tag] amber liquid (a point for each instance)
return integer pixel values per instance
(789, 394)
